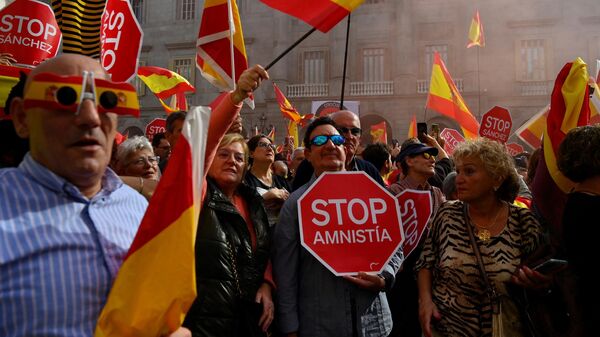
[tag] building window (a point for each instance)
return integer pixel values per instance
(186, 9)
(185, 67)
(429, 58)
(532, 60)
(373, 64)
(139, 10)
(313, 66)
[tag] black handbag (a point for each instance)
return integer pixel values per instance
(248, 312)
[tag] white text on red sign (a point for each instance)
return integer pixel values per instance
(32, 27)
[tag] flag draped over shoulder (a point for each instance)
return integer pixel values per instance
(214, 49)
(412, 127)
(476, 32)
(156, 284)
(321, 14)
(379, 133)
(9, 76)
(444, 98)
(569, 108)
(79, 22)
(165, 83)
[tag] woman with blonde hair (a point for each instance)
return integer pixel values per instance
(475, 246)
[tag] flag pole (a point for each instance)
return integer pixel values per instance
(290, 48)
(478, 88)
(345, 62)
(231, 33)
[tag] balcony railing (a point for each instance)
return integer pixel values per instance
(371, 88)
(423, 85)
(308, 90)
(535, 88)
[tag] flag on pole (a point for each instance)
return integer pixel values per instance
(287, 110)
(272, 133)
(412, 127)
(156, 284)
(444, 98)
(293, 132)
(531, 131)
(79, 22)
(569, 108)
(215, 55)
(476, 32)
(256, 130)
(165, 83)
(379, 133)
(321, 14)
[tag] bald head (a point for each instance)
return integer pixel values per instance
(349, 125)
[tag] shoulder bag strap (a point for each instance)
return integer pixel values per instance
(490, 290)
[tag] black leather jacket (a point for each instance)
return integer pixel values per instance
(220, 225)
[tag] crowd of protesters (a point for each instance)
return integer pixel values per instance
(74, 196)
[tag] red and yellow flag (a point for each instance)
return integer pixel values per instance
(321, 14)
(216, 54)
(293, 132)
(287, 110)
(272, 134)
(412, 127)
(165, 83)
(531, 132)
(444, 98)
(569, 108)
(379, 133)
(476, 32)
(9, 76)
(156, 284)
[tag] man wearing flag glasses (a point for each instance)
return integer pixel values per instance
(66, 220)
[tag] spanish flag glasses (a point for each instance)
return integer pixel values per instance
(51, 91)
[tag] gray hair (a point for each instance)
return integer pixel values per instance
(132, 145)
(297, 150)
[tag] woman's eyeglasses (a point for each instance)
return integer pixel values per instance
(141, 161)
(322, 139)
(263, 144)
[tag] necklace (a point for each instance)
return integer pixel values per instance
(484, 233)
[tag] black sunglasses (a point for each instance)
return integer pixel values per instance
(322, 139)
(354, 131)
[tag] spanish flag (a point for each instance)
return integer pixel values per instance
(215, 52)
(444, 98)
(321, 14)
(156, 284)
(569, 108)
(293, 132)
(271, 134)
(287, 110)
(476, 32)
(164, 84)
(531, 131)
(379, 133)
(412, 128)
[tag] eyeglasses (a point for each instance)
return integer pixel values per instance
(353, 131)
(428, 156)
(141, 161)
(53, 91)
(263, 144)
(322, 139)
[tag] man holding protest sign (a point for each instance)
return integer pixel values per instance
(311, 300)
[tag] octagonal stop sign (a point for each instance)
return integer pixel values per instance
(350, 223)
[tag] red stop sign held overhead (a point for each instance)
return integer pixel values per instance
(350, 223)
(157, 125)
(451, 139)
(29, 32)
(120, 40)
(496, 124)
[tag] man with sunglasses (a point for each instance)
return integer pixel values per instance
(312, 301)
(417, 161)
(349, 125)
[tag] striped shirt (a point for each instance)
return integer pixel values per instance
(59, 251)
